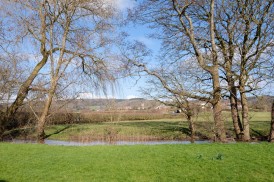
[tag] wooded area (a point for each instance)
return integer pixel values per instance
(211, 50)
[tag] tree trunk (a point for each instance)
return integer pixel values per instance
(191, 128)
(271, 134)
(245, 119)
(235, 113)
(233, 95)
(42, 120)
(2, 125)
(40, 129)
(24, 89)
(219, 129)
(21, 95)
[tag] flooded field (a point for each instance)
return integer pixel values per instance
(93, 143)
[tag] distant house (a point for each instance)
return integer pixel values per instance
(227, 106)
(162, 108)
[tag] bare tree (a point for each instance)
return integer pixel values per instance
(10, 78)
(244, 30)
(166, 88)
(229, 40)
(186, 36)
(11, 75)
(68, 34)
(73, 11)
(175, 84)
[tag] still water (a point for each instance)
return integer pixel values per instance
(72, 143)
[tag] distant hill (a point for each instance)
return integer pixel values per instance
(259, 103)
(107, 104)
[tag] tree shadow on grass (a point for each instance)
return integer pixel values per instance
(260, 136)
(165, 127)
(162, 125)
(185, 131)
(57, 132)
(202, 136)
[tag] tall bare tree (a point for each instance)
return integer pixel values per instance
(244, 30)
(175, 84)
(230, 40)
(67, 33)
(11, 70)
(187, 36)
(72, 13)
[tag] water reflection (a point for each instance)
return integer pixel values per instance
(72, 143)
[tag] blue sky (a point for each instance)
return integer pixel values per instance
(128, 88)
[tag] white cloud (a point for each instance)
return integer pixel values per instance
(85, 96)
(131, 96)
(147, 41)
(88, 95)
(123, 4)
(150, 43)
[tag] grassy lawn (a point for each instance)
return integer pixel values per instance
(193, 162)
(162, 129)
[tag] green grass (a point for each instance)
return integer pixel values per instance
(194, 162)
(131, 130)
(160, 129)
(163, 129)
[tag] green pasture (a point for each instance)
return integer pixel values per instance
(162, 129)
(192, 162)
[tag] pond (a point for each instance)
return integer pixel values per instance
(73, 143)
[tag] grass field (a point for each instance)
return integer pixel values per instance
(193, 162)
(161, 129)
